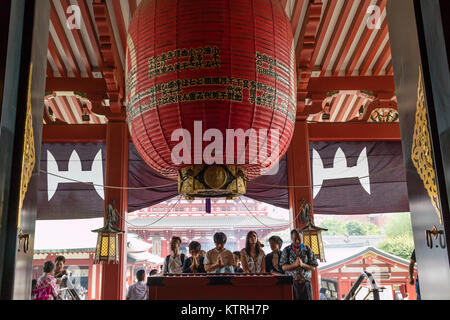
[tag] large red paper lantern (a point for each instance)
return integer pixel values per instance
(195, 65)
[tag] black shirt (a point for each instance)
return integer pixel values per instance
(187, 265)
(413, 257)
(239, 269)
(269, 263)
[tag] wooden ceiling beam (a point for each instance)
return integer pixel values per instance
(374, 47)
(56, 22)
(76, 33)
(113, 71)
(54, 53)
(89, 24)
(295, 18)
(326, 19)
(337, 32)
(382, 59)
(87, 86)
(354, 131)
(369, 83)
(73, 133)
(349, 39)
(304, 50)
(120, 25)
(361, 46)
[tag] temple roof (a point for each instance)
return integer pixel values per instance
(210, 222)
(353, 253)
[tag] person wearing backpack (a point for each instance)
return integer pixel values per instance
(47, 287)
(173, 264)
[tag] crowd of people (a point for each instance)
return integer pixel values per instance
(296, 260)
(51, 285)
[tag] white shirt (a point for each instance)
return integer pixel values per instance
(138, 291)
(175, 266)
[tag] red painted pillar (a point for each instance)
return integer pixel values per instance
(113, 275)
(90, 277)
(299, 174)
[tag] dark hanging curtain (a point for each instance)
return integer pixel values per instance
(65, 199)
(141, 175)
(366, 177)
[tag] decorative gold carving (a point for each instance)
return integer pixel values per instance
(209, 181)
(29, 155)
(215, 177)
(422, 152)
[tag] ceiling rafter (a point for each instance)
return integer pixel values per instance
(89, 25)
(323, 27)
(349, 39)
(76, 33)
(56, 22)
(382, 59)
(303, 52)
(336, 34)
(295, 19)
(376, 44)
(112, 71)
(361, 46)
(121, 25)
(54, 53)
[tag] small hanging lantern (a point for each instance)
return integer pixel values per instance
(312, 235)
(107, 249)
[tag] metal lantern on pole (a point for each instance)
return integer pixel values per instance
(107, 249)
(312, 234)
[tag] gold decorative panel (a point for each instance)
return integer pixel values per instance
(422, 151)
(29, 155)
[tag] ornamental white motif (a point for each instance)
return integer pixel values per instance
(340, 170)
(74, 172)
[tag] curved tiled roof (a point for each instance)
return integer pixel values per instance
(362, 252)
(209, 222)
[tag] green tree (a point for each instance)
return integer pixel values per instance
(400, 246)
(372, 229)
(398, 236)
(356, 228)
(398, 224)
(335, 227)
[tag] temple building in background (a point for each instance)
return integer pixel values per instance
(189, 221)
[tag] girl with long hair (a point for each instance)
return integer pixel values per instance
(252, 256)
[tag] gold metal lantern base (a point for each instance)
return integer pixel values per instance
(211, 181)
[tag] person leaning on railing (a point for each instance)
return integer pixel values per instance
(195, 263)
(219, 259)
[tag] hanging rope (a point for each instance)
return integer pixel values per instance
(154, 222)
(252, 213)
(110, 187)
(256, 183)
(330, 184)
